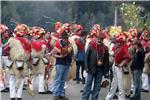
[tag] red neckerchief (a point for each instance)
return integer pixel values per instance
(37, 45)
(98, 47)
(59, 45)
(80, 44)
(48, 43)
(25, 43)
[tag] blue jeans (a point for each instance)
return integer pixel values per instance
(137, 84)
(97, 78)
(59, 82)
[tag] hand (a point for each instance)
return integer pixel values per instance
(73, 60)
(69, 49)
(137, 50)
(64, 51)
(76, 59)
(58, 56)
(120, 65)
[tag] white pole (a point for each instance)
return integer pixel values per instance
(115, 17)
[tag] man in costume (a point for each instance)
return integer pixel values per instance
(76, 31)
(39, 61)
(18, 60)
(145, 41)
(4, 52)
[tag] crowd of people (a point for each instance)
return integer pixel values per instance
(71, 53)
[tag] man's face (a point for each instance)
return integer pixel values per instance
(84, 38)
(117, 43)
(5, 35)
(65, 39)
(101, 36)
(135, 46)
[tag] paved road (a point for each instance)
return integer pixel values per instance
(73, 92)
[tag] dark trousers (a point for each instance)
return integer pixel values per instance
(79, 64)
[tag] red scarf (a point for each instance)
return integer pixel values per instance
(97, 47)
(80, 44)
(25, 43)
(59, 46)
(48, 44)
(37, 45)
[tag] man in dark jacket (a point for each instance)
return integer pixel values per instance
(137, 68)
(96, 61)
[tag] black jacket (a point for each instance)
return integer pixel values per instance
(138, 60)
(91, 60)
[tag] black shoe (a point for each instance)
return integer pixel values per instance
(83, 81)
(81, 91)
(132, 98)
(5, 90)
(24, 88)
(63, 98)
(12, 98)
(143, 90)
(74, 79)
(135, 98)
(19, 98)
(131, 92)
(49, 92)
(127, 96)
(42, 92)
(115, 97)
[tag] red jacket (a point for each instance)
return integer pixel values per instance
(121, 53)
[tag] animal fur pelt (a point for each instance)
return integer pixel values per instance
(18, 53)
(2, 83)
(72, 71)
(146, 68)
(74, 37)
(74, 46)
(40, 68)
